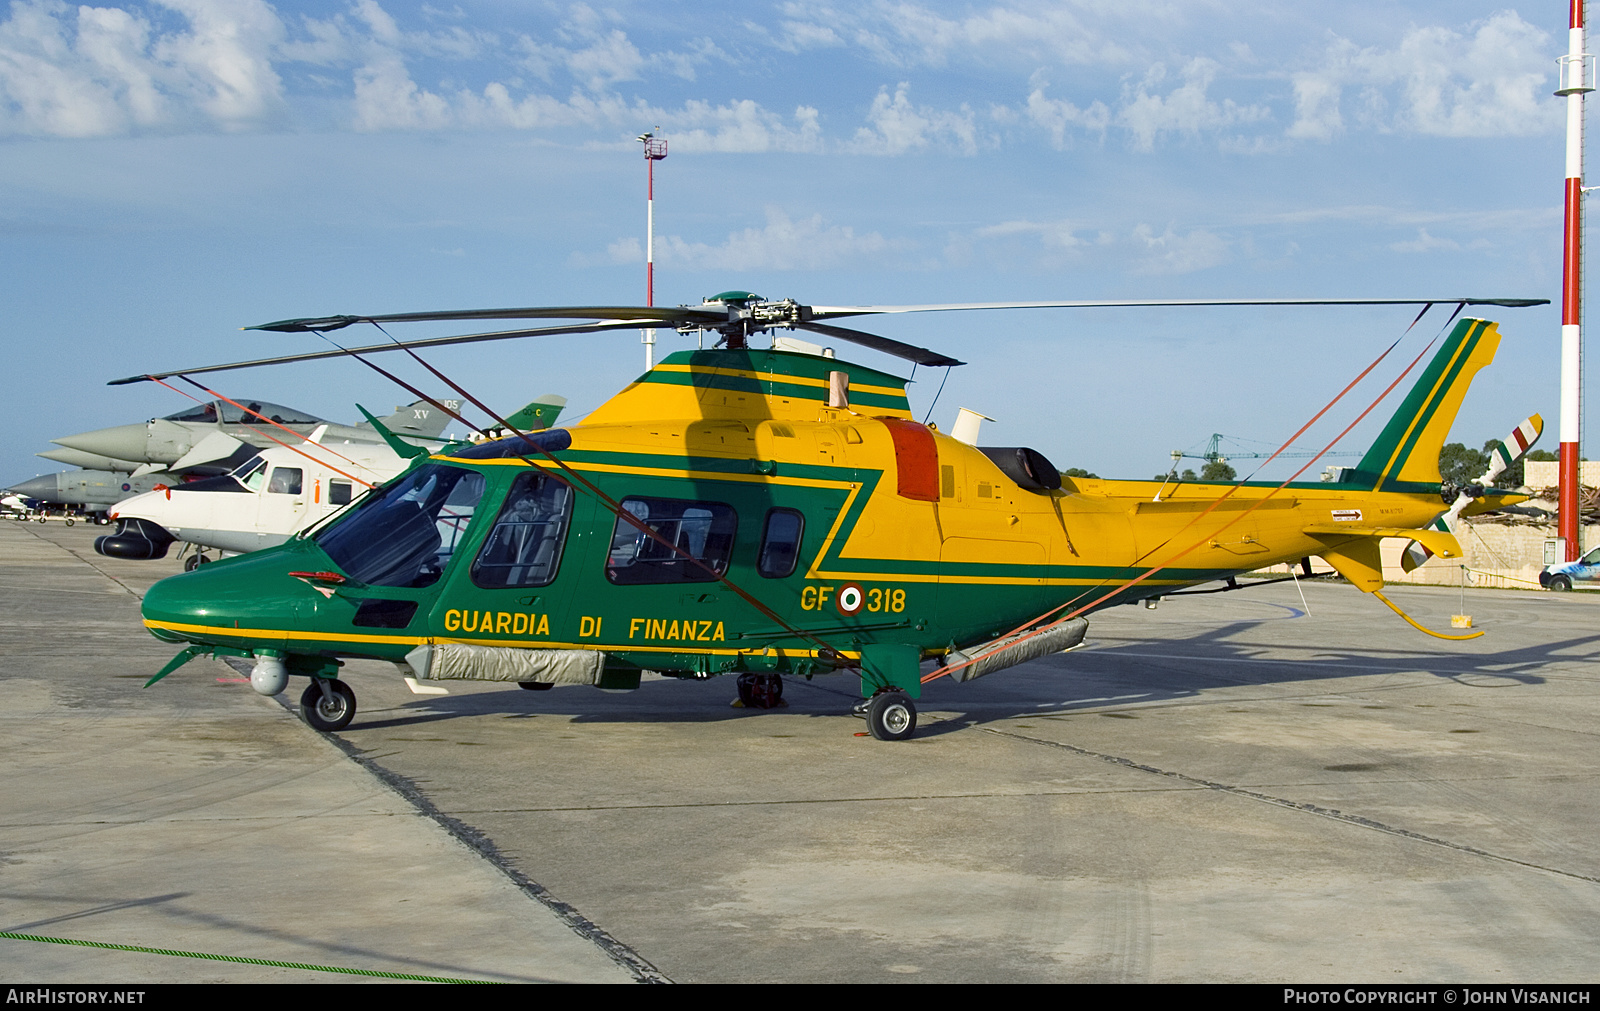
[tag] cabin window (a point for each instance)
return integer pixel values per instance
(339, 492)
(286, 480)
(403, 534)
(524, 548)
(780, 543)
(702, 531)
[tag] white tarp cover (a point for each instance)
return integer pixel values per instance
(454, 661)
(1064, 636)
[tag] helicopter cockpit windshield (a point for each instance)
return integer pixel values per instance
(405, 537)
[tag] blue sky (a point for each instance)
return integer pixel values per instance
(171, 171)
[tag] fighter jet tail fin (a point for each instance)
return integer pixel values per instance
(539, 415)
(419, 420)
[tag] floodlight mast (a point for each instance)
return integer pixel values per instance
(655, 149)
(1576, 80)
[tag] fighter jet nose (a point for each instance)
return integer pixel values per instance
(39, 487)
(122, 442)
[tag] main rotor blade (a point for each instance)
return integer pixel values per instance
(840, 311)
(613, 324)
(922, 356)
(675, 314)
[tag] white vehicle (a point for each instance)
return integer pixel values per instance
(272, 496)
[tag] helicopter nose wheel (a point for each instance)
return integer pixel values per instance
(327, 704)
(194, 561)
(891, 716)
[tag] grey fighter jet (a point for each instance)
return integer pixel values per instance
(215, 437)
(94, 491)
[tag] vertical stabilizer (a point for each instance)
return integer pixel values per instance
(1406, 456)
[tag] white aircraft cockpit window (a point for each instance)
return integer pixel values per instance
(524, 548)
(252, 473)
(286, 480)
(702, 530)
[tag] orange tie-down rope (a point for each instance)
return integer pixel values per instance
(268, 435)
(941, 672)
(825, 647)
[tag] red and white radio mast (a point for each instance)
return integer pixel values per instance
(655, 149)
(1577, 79)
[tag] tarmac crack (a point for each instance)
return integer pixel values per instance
(1316, 809)
(478, 841)
(136, 594)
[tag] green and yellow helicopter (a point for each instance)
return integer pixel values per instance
(771, 512)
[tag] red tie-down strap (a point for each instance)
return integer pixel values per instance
(916, 459)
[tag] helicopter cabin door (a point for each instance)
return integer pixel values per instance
(512, 587)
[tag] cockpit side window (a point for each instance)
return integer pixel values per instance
(702, 530)
(405, 534)
(286, 480)
(524, 548)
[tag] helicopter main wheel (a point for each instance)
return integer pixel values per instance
(536, 686)
(891, 716)
(70, 521)
(1560, 584)
(327, 711)
(194, 562)
(760, 690)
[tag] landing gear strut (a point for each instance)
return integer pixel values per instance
(327, 704)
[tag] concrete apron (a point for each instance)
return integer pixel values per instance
(200, 817)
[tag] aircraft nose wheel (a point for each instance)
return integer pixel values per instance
(891, 716)
(327, 704)
(194, 562)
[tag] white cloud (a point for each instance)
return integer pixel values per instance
(1492, 82)
(1058, 116)
(907, 34)
(99, 71)
(1426, 243)
(1059, 234)
(896, 126)
(783, 244)
(1171, 253)
(1186, 109)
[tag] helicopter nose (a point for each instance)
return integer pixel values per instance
(121, 442)
(246, 602)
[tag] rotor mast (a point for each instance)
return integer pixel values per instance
(655, 149)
